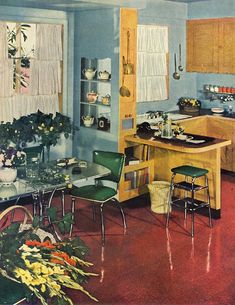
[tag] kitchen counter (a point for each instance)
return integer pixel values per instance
(204, 112)
(169, 154)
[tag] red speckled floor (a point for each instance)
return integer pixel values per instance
(154, 266)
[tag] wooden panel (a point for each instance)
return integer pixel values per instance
(202, 42)
(218, 127)
(197, 125)
(127, 105)
(226, 45)
(224, 129)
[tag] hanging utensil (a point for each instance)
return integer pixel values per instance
(180, 67)
(124, 91)
(176, 75)
(127, 66)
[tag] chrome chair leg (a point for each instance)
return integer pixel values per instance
(102, 224)
(209, 203)
(73, 216)
(123, 215)
(169, 200)
(192, 204)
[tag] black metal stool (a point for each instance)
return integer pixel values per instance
(189, 203)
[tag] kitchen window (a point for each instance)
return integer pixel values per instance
(30, 68)
(152, 63)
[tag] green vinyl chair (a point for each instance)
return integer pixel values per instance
(104, 189)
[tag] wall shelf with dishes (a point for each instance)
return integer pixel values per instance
(95, 99)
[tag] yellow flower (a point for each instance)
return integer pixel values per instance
(25, 275)
(43, 288)
(28, 249)
(58, 270)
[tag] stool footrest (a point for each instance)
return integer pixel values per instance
(191, 204)
(184, 185)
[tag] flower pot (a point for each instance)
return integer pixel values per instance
(8, 174)
(190, 109)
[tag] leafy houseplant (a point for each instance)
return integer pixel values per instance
(38, 126)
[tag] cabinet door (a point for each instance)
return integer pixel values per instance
(224, 129)
(226, 45)
(202, 45)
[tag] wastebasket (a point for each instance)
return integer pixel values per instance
(159, 192)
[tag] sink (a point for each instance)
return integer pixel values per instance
(178, 116)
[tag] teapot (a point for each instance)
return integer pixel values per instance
(88, 120)
(89, 73)
(104, 75)
(103, 123)
(106, 99)
(92, 97)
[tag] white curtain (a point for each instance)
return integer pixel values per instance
(3, 41)
(19, 105)
(6, 77)
(45, 77)
(152, 49)
(48, 42)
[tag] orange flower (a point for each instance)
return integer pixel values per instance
(45, 244)
(64, 256)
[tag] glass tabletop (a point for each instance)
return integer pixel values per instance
(52, 175)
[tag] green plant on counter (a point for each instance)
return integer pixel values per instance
(191, 102)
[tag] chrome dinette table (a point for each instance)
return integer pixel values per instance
(43, 190)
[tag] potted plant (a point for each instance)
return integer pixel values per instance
(10, 159)
(49, 128)
(189, 104)
(38, 127)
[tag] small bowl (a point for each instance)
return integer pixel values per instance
(217, 110)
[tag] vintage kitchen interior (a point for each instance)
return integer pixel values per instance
(117, 134)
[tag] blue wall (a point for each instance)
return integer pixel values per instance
(97, 36)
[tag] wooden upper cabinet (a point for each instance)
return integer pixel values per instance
(226, 46)
(210, 45)
(202, 41)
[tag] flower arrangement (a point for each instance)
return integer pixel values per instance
(188, 104)
(38, 126)
(43, 268)
(11, 157)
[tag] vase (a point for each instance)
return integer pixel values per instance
(7, 191)
(48, 148)
(8, 174)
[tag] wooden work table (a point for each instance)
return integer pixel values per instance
(168, 154)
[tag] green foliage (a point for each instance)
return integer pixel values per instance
(63, 223)
(44, 127)
(43, 268)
